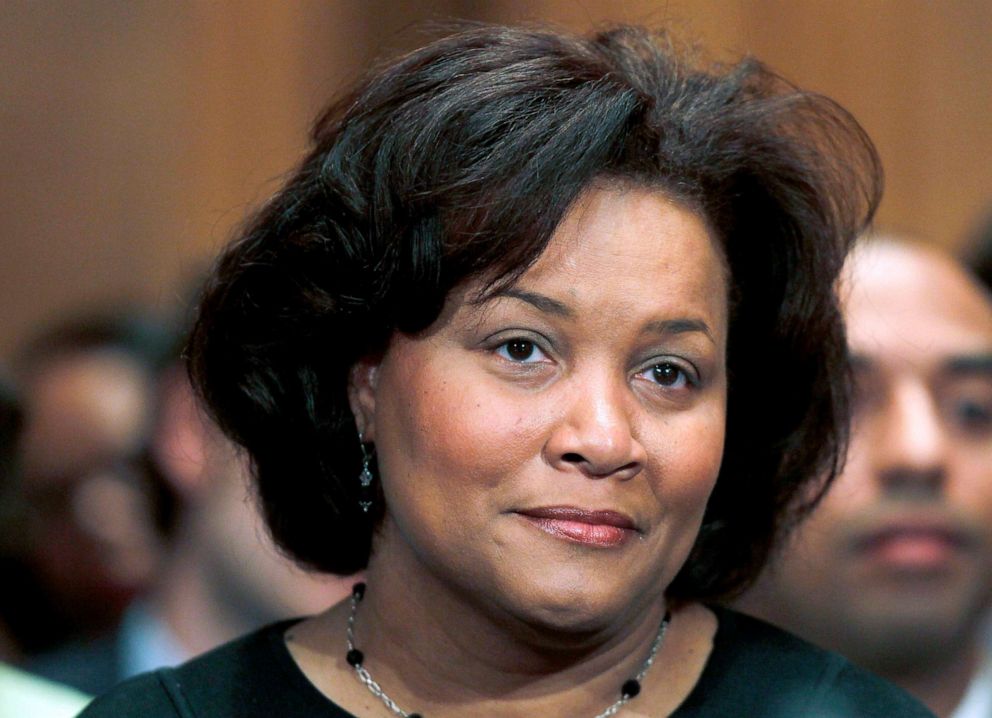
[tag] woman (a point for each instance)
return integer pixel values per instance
(542, 333)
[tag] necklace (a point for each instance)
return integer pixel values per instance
(630, 688)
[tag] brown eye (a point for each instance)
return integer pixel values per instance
(519, 350)
(669, 375)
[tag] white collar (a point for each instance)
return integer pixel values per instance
(146, 642)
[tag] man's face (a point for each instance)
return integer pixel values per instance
(895, 566)
(89, 522)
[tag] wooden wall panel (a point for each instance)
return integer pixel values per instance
(134, 135)
(917, 75)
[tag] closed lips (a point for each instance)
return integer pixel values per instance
(604, 528)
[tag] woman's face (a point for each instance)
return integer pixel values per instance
(550, 450)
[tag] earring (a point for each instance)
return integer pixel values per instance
(365, 478)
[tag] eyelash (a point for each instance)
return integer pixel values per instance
(686, 377)
(503, 350)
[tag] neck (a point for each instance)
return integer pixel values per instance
(462, 654)
(940, 684)
(184, 600)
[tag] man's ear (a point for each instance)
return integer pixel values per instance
(361, 395)
(178, 443)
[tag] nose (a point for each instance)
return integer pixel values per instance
(595, 433)
(912, 443)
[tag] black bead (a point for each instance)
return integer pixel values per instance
(354, 657)
(631, 688)
(358, 590)
(414, 715)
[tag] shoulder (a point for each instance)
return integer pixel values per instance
(145, 696)
(252, 676)
(758, 670)
(89, 666)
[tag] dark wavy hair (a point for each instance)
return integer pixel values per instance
(459, 160)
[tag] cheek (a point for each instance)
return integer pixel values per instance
(686, 455)
(822, 536)
(969, 483)
(689, 451)
(440, 436)
(856, 488)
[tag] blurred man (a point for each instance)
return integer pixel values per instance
(21, 694)
(220, 576)
(894, 568)
(88, 498)
(223, 576)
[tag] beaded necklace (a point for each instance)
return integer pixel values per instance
(630, 688)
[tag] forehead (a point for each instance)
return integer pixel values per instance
(913, 306)
(633, 247)
(82, 408)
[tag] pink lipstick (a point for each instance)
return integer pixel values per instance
(593, 528)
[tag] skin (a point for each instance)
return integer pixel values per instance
(222, 576)
(894, 568)
(89, 526)
(597, 382)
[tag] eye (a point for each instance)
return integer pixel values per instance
(966, 405)
(670, 375)
(521, 351)
(974, 416)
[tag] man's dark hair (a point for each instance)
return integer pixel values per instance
(458, 161)
(978, 251)
(10, 426)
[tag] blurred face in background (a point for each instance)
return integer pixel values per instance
(89, 528)
(894, 568)
(246, 572)
(222, 536)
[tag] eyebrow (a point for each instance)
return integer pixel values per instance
(681, 326)
(963, 365)
(541, 302)
(969, 365)
(556, 308)
(859, 362)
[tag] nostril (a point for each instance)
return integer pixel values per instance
(573, 458)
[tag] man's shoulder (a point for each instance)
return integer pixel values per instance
(89, 666)
(226, 681)
(757, 669)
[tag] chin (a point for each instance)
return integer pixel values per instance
(575, 608)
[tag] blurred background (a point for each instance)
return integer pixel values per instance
(136, 134)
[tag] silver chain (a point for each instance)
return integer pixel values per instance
(375, 689)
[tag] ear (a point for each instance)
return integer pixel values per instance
(362, 380)
(178, 441)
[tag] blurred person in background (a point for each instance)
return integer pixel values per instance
(218, 576)
(10, 424)
(22, 695)
(894, 568)
(83, 532)
(222, 575)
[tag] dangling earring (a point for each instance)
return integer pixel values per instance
(365, 478)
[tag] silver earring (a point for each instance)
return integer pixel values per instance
(365, 478)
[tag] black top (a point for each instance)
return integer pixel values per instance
(754, 671)
(92, 666)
